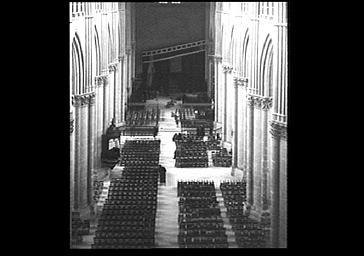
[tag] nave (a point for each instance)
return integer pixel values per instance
(172, 228)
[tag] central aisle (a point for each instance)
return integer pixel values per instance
(167, 205)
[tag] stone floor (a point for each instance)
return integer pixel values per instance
(167, 201)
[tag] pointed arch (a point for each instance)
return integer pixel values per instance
(266, 59)
(98, 53)
(232, 47)
(245, 54)
(110, 44)
(78, 68)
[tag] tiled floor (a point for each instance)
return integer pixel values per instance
(167, 202)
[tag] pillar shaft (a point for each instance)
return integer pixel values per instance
(257, 169)
(72, 162)
(235, 126)
(266, 105)
(83, 155)
(105, 106)
(77, 163)
(91, 146)
(250, 151)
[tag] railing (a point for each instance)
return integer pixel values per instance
(173, 48)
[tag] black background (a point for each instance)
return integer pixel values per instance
(38, 129)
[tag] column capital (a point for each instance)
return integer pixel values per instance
(91, 98)
(100, 81)
(120, 58)
(227, 68)
(250, 101)
(83, 100)
(112, 67)
(278, 130)
(236, 81)
(267, 103)
(242, 81)
(258, 102)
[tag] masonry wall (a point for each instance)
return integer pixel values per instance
(101, 51)
(250, 52)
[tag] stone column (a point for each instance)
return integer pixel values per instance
(230, 104)
(91, 147)
(257, 167)
(241, 121)
(122, 85)
(266, 106)
(77, 138)
(100, 117)
(83, 152)
(216, 88)
(278, 131)
(72, 162)
(105, 105)
(224, 103)
(112, 86)
(283, 189)
(225, 112)
(220, 86)
(236, 134)
(117, 93)
(250, 150)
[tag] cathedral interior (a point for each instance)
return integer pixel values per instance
(178, 124)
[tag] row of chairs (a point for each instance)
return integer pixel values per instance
(191, 153)
(249, 233)
(221, 160)
(98, 185)
(79, 228)
(142, 117)
(128, 216)
(200, 222)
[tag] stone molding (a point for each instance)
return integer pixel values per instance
(258, 102)
(278, 130)
(243, 82)
(83, 100)
(72, 123)
(100, 81)
(267, 103)
(112, 67)
(250, 100)
(227, 68)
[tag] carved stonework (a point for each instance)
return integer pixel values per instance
(257, 102)
(112, 68)
(236, 82)
(120, 58)
(128, 51)
(84, 100)
(243, 82)
(76, 101)
(100, 81)
(267, 103)
(227, 68)
(278, 130)
(92, 98)
(250, 101)
(72, 120)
